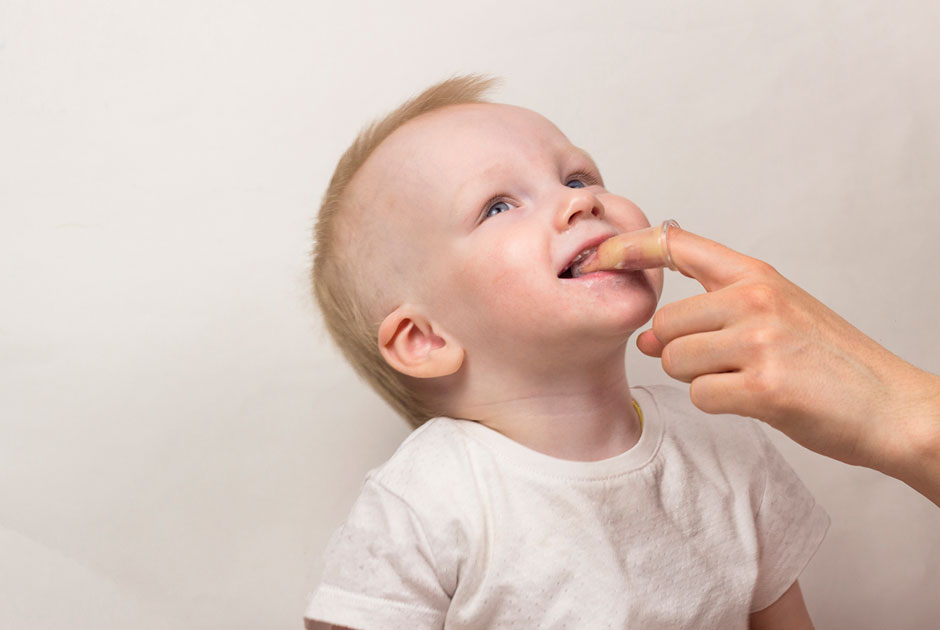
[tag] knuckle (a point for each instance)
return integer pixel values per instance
(764, 268)
(760, 297)
(758, 386)
(760, 338)
(764, 386)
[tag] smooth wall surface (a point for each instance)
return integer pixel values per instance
(178, 437)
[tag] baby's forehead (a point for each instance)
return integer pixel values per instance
(442, 147)
(432, 166)
(450, 128)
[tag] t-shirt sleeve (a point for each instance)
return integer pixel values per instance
(790, 527)
(379, 569)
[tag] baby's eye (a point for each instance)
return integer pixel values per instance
(496, 208)
(582, 180)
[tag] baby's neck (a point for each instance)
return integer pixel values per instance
(582, 417)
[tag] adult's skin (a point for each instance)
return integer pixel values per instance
(757, 345)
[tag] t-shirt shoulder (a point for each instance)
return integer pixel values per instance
(427, 462)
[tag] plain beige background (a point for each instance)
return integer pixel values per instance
(178, 437)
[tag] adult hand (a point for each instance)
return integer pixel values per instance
(757, 345)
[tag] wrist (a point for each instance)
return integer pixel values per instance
(914, 454)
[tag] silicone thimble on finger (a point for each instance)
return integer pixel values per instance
(640, 249)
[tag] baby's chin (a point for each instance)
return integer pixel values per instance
(633, 295)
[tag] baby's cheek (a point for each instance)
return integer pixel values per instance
(500, 281)
(460, 291)
(492, 294)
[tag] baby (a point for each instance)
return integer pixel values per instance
(539, 489)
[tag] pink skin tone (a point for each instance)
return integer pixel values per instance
(482, 318)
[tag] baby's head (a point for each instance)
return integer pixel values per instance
(441, 250)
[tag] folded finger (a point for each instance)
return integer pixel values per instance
(648, 344)
(718, 393)
(690, 356)
(700, 313)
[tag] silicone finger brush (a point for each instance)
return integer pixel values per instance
(640, 249)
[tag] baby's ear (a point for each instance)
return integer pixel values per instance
(414, 345)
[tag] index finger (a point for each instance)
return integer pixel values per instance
(712, 264)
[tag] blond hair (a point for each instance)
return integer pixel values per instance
(344, 305)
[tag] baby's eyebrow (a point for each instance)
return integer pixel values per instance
(461, 201)
(587, 156)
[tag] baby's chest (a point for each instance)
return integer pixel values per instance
(610, 555)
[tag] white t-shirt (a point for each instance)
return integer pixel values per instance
(699, 524)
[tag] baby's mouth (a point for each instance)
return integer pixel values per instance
(573, 270)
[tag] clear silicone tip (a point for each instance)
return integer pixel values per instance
(640, 249)
(664, 242)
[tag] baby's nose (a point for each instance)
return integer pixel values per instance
(580, 205)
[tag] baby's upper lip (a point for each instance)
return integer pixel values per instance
(589, 243)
